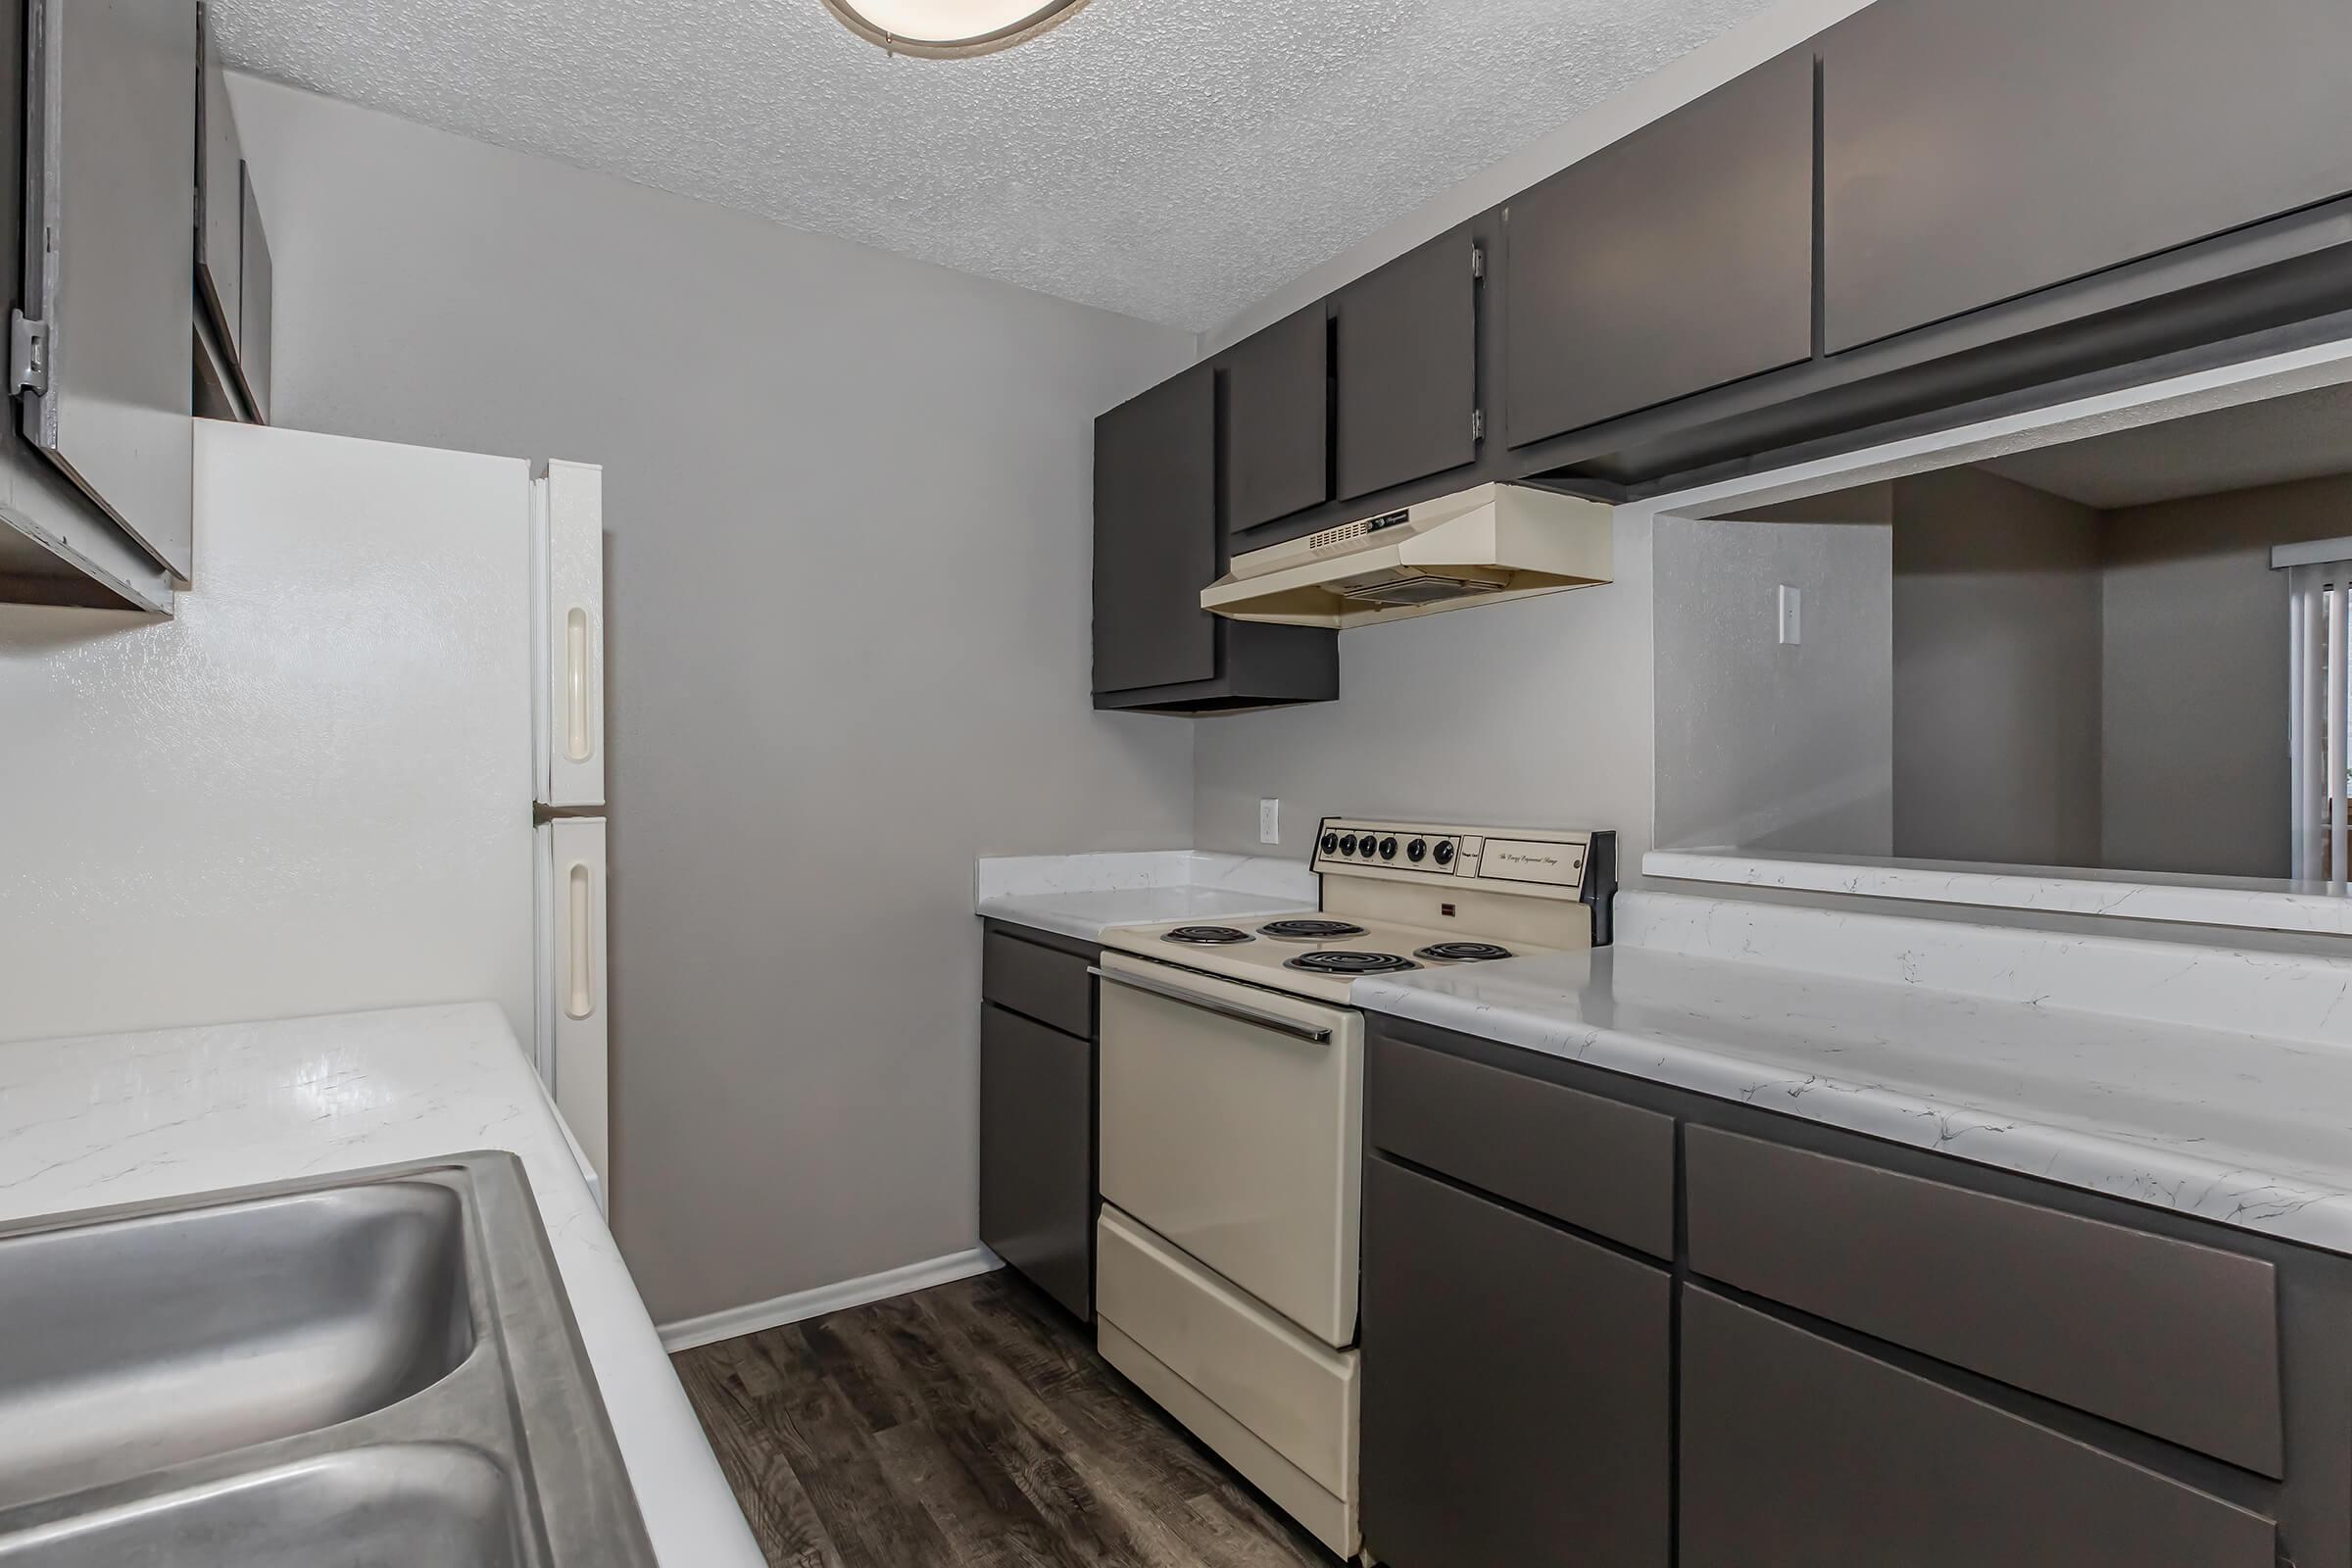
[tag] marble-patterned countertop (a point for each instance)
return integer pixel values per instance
(1083, 895)
(105, 1119)
(2250, 1130)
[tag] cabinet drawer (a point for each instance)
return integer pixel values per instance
(1046, 984)
(1798, 1452)
(1601, 1166)
(1296, 1396)
(2176, 1340)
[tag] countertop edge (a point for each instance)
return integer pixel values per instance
(2113, 1164)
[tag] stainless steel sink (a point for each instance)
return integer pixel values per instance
(379, 1369)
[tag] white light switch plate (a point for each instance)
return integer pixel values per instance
(1269, 822)
(1793, 630)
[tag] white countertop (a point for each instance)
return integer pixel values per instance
(107, 1119)
(1083, 895)
(2250, 1130)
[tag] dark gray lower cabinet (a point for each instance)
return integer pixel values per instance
(1882, 1355)
(1037, 1154)
(1517, 1386)
(1798, 1452)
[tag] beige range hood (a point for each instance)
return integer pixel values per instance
(1498, 541)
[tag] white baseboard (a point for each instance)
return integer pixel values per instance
(735, 1321)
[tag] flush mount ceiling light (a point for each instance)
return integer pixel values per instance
(946, 28)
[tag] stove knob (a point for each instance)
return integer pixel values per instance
(1331, 844)
(1415, 849)
(1443, 853)
(1388, 848)
(1347, 844)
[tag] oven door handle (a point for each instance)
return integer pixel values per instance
(1311, 1033)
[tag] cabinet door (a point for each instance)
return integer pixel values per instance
(1155, 536)
(1666, 263)
(1975, 152)
(1408, 367)
(254, 318)
(1797, 1451)
(1037, 1164)
(220, 199)
(109, 194)
(1516, 1387)
(1277, 436)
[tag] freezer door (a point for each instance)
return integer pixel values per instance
(572, 1032)
(567, 713)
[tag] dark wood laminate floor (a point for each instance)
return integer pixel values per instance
(974, 1424)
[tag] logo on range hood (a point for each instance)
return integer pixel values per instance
(1498, 541)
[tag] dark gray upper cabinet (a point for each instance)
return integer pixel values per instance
(219, 200)
(1517, 1386)
(1158, 544)
(1155, 536)
(1276, 387)
(257, 277)
(1408, 367)
(110, 250)
(1677, 259)
(1975, 152)
(1799, 1451)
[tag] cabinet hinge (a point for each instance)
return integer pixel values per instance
(1478, 261)
(28, 353)
(1478, 424)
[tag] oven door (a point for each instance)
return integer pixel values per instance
(1232, 1126)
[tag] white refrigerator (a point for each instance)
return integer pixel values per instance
(360, 766)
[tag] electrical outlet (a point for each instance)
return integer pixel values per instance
(1269, 822)
(1793, 630)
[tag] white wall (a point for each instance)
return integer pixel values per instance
(1997, 672)
(847, 501)
(1535, 713)
(1768, 744)
(2195, 724)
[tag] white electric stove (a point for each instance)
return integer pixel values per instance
(1232, 1129)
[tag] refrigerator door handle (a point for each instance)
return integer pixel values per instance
(580, 1003)
(579, 736)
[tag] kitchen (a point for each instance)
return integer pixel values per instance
(812, 1148)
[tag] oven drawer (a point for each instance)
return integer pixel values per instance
(1038, 982)
(1594, 1163)
(2176, 1340)
(1294, 1395)
(1239, 1144)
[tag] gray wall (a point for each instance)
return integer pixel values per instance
(1760, 744)
(1534, 713)
(2195, 719)
(1997, 672)
(848, 500)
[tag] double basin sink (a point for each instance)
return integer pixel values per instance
(380, 1370)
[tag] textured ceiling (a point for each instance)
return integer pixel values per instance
(1175, 160)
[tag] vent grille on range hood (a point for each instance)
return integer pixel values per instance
(1498, 541)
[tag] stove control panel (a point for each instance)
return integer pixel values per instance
(1544, 863)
